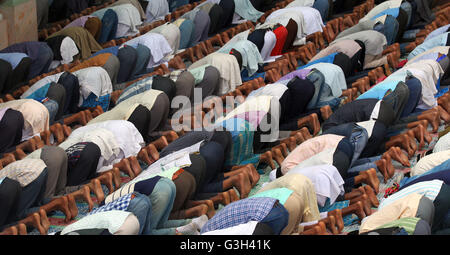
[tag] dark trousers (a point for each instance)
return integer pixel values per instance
(85, 168)
(72, 87)
(441, 206)
(198, 170)
(42, 63)
(57, 92)
(11, 127)
(32, 196)
(10, 192)
(109, 26)
(415, 93)
(127, 57)
(5, 73)
(19, 75)
(213, 154)
(140, 118)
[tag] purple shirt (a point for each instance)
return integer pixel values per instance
(79, 22)
(302, 73)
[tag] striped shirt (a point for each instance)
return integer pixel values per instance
(429, 189)
(408, 223)
(23, 171)
(240, 212)
(136, 88)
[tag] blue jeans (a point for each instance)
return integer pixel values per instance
(357, 135)
(52, 107)
(415, 93)
(364, 164)
(162, 199)
(32, 196)
(277, 218)
(406, 6)
(391, 28)
(322, 6)
(109, 26)
(322, 93)
(141, 207)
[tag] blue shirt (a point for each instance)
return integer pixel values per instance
(326, 59)
(13, 58)
(379, 91)
(393, 12)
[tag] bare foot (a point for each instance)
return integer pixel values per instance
(135, 165)
(337, 214)
(278, 156)
(72, 205)
(372, 196)
(326, 112)
(369, 177)
(96, 186)
(84, 194)
(267, 157)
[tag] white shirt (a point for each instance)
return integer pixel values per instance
(326, 179)
(68, 50)
(104, 139)
(95, 80)
(126, 134)
(158, 45)
(428, 162)
(313, 20)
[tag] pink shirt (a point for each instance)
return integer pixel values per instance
(308, 149)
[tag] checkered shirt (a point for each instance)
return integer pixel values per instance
(240, 212)
(121, 204)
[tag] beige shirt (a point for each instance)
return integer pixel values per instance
(230, 74)
(428, 162)
(23, 171)
(402, 208)
(35, 114)
(303, 187)
(308, 149)
(122, 110)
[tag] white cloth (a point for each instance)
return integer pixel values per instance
(126, 134)
(111, 220)
(68, 50)
(312, 20)
(296, 3)
(442, 144)
(326, 179)
(156, 10)
(270, 40)
(282, 16)
(428, 162)
(172, 34)
(275, 89)
(158, 45)
(127, 15)
(94, 80)
(428, 71)
(382, 7)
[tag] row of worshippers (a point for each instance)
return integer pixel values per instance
(262, 104)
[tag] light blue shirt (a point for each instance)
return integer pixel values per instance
(13, 58)
(380, 90)
(439, 40)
